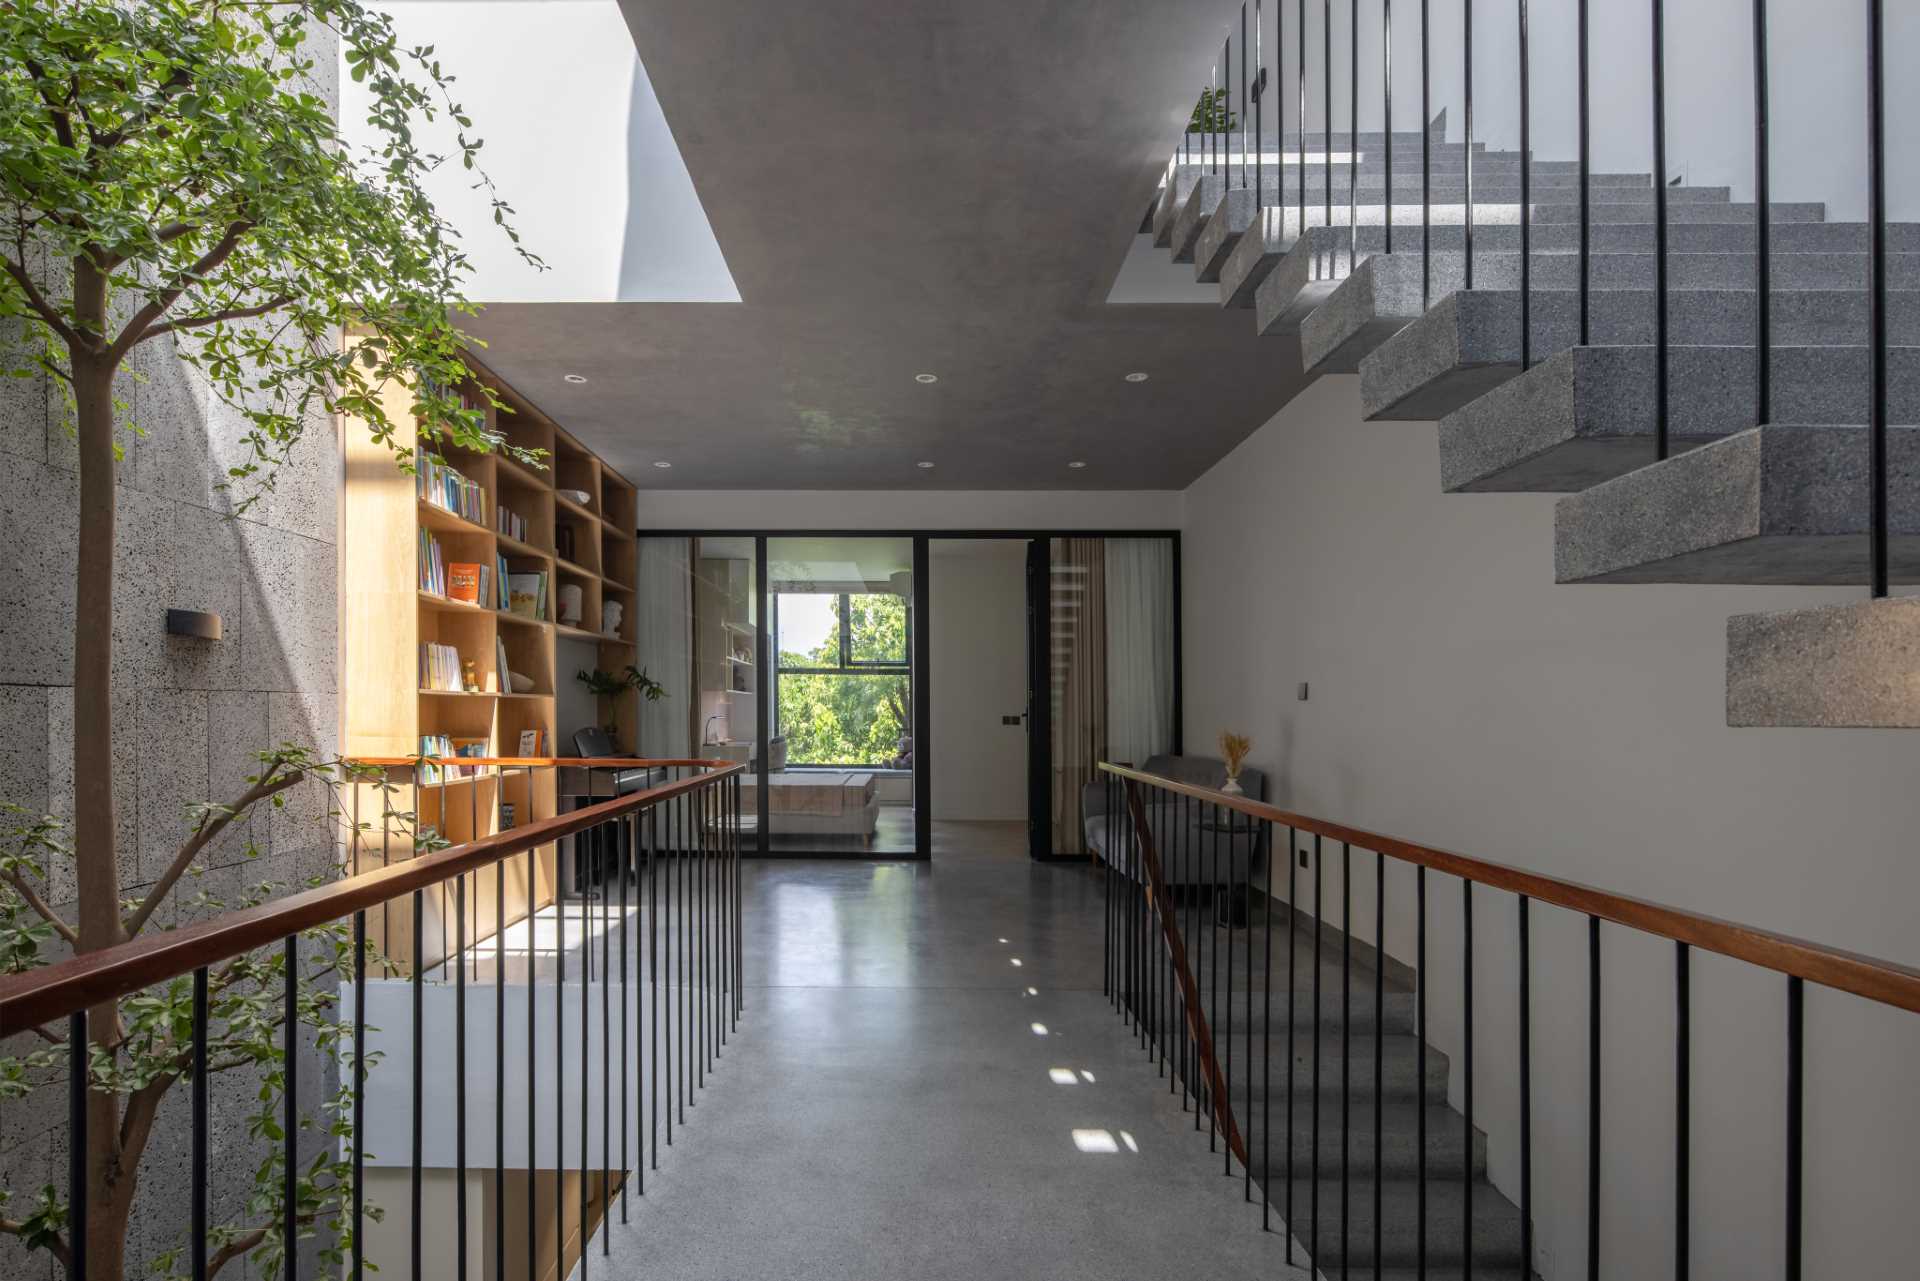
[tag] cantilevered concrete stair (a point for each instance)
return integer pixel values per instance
(1335, 256)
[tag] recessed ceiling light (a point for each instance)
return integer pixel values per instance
(662, 463)
(1076, 465)
(1136, 377)
(573, 378)
(926, 378)
(924, 466)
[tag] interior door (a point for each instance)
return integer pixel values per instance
(1039, 705)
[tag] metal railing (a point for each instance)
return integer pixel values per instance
(1152, 938)
(656, 896)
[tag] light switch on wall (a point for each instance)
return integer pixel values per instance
(1303, 691)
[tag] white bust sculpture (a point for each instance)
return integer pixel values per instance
(610, 614)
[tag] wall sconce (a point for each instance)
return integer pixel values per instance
(196, 623)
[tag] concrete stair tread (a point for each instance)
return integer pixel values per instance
(1446, 1139)
(1846, 666)
(1496, 1222)
(1584, 416)
(1775, 504)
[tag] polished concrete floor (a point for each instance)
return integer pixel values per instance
(928, 1084)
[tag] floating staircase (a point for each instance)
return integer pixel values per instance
(1333, 256)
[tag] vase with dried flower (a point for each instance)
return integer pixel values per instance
(1233, 750)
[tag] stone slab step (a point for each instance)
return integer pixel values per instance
(1469, 342)
(1496, 1223)
(1787, 238)
(1193, 214)
(1775, 504)
(1255, 253)
(1172, 198)
(1635, 211)
(1400, 1077)
(1587, 414)
(1497, 189)
(1303, 278)
(1847, 666)
(1447, 1145)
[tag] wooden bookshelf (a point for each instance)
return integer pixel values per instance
(583, 538)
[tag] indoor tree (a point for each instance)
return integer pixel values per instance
(169, 173)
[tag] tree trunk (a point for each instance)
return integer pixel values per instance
(95, 831)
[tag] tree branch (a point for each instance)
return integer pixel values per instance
(214, 318)
(157, 307)
(38, 301)
(55, 1246)
(234, 1249)
(25, 890)
(211, 825)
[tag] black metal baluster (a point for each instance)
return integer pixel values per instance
(560, 1070)
(79, 1056)
(1878, 480)
(1203, 1084)
(1226, 1076)
(1300, 86)
(1682, 1113)
(1379, 1041)
(1243, 102)
(1581, 41)
(1796, 1120)
(1526, 189)
(460, 1064)
(1466, 1080)
(671, 854)
(1426, 185)
(500, 1059)
(1326, 106)
(1346, 1052)
(1353, 132)
(1661, 354)
(687, 975)
(607, 839)
(1420, 1070)
(1313, 1183)
(1386, 112)
(1466, 43)
(197, 1238)
(417, 981)
(1763, 224)
(1293, 955)
(657, 834)
(1246, 1023)
(533, 1057)
(1526, 1092)
(586, 1037)
(1265, 837)
(632, 843)
(1259, 114)
(1593, 1098)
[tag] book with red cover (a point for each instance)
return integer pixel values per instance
(463, 582)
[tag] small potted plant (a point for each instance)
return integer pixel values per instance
(608, 686)
(1233, 750)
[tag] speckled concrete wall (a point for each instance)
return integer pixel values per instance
(190, 715)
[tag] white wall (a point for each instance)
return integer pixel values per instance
(979, 642)
(1817, 87)
(925, 509)
(1462, 699)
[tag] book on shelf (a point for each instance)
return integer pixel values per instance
(437, 752)
(439, 667)
(433, 564)
(443, 487)
(527, 594)
(533, 742)
(500, 598)
(506, 522)
(466, 581)
(501, 681)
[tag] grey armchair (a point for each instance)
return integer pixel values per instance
(1193, 842)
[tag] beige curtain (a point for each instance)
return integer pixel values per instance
(1077, 610)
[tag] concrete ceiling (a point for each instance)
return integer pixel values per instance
(903, 189)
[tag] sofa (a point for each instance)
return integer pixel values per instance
(1190, 837)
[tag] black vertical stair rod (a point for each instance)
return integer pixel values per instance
(1243, 100)
(1661, 354)
(460, 1065)
(1213, 1022)
(1259, 112)
(1346, 1053)
(197, 1237)
(1202, 1084)
(1313, 1181)
(586, 1037)
(1593, 1098)
(656, 835)
(1386, 117)
(1300, 88)
(1466, 1080)
(1763, 224)
(1353, 133)
(533, 1058)
(699, 939)
(1246, 1055)
(1878, 478)
(417, 982)
(1326, 105)
(1220, 821)
(1106, 901)
(1526, 1089)
(1682, 1113)
(1379, 1042)
(632, 843)
(1526, 190)
(608, 839)
(560, 1067)
(79, 1056)
(1796, 1121)
(500, 1061)
(356, 1254)
(1426, 194)
(1265, 838)
(1293, 954)
(1585, 148)
(1420, 1067)
(1466, 48)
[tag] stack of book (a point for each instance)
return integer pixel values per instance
(472, 583)
(448, 490)
(505, 522)
(442, 746)
(527, 594)
(433, 567)
(439, 667)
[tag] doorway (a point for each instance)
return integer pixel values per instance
(980, 696)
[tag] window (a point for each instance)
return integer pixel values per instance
(843, 682)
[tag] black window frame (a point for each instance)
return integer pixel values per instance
(849, 666)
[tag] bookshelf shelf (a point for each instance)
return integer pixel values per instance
(406, 555)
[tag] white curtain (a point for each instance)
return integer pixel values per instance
(665, 633)
(1139, 648)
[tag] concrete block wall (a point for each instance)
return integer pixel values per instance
(190, 715)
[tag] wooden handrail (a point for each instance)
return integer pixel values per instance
(1876, 979)
(39, 996)
(593, 762)
(1196, 1016)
